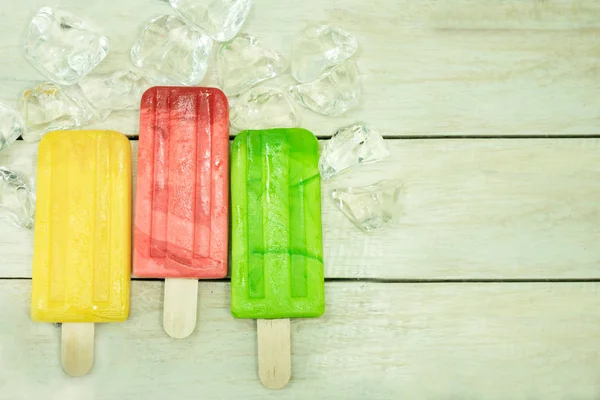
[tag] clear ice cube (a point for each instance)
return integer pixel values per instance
(334, 93)
(317, 48)
(370, 207)
(118, 90)
(17, 198)
(243, 63)
(220, 19)
(349, 146)
(169, 51)
(49, 107)
(11, 126)
(64, 47)
(263, 108)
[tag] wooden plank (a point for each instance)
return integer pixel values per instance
(425, 341)
(471, 209)
(451, 67)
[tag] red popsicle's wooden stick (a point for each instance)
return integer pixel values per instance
(180, 307)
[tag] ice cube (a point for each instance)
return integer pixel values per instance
(17, 198)
(117, 90)
(350, 146)
(370, 207)
(64, 47)
(220, 19)
(334, 93)
(11, 126)
(317, 48)
(243, 63)
(49, 107)
(263, 108)
(169, 51)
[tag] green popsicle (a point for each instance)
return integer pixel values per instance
(277, 241)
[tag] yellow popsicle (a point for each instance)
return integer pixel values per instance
(82, 238)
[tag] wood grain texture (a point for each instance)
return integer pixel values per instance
(426, 341)
(471, 209)
(452, 67)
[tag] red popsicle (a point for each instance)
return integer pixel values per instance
(182, 184)
(182, 196)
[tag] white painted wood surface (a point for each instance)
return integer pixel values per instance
(488, 209)
(375, 341)
(471, 209)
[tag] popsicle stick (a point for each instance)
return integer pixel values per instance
(180, 307)
(77, 347)
(274, 352)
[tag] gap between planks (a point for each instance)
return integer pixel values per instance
(447, 137)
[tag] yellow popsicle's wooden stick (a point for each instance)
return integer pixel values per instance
(77, 347)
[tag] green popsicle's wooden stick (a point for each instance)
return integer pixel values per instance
(274, 352)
